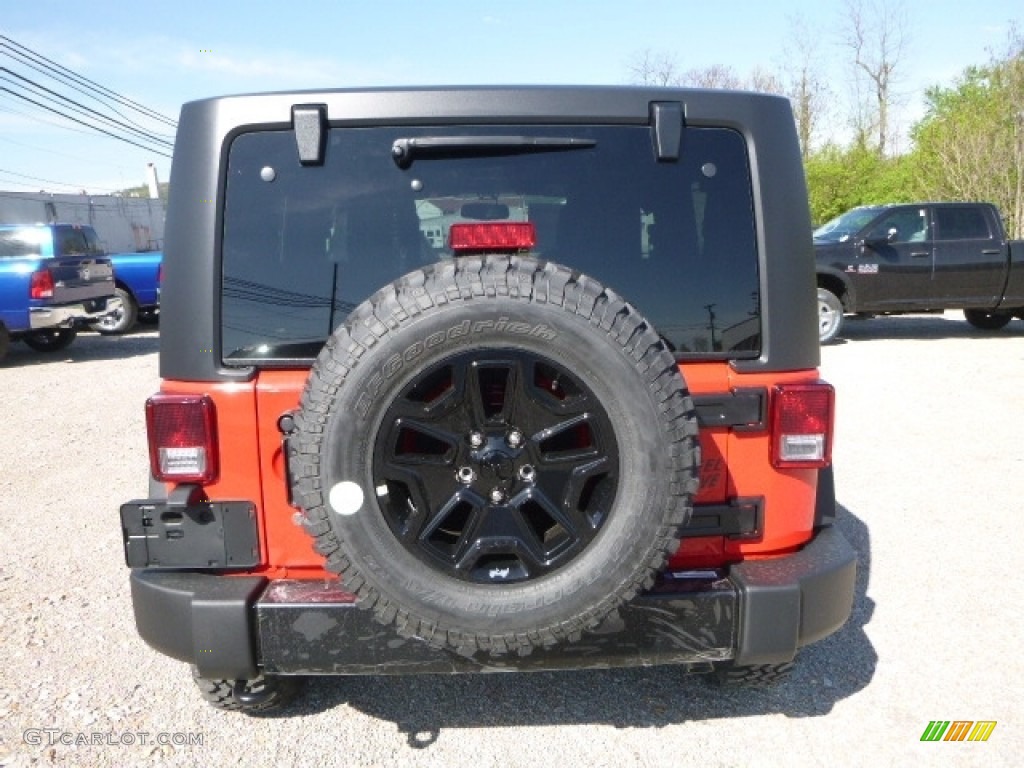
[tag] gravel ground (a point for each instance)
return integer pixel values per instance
(928, 472)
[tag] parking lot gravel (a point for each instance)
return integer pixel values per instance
(929, 475)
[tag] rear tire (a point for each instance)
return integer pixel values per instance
(5, 341)
(269, 692)
(987, 321)
(830, 315)
(120, 321)
(751, 676)
(51, 339)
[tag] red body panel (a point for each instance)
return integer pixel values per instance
(735, 464)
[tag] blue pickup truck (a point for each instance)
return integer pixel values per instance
(54, 278)
(137, 284)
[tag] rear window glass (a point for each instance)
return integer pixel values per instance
(303, 246)
(73, 241)
(22, 242)
(967, 223)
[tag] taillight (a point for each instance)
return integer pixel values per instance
(493, 236)
(41, 285)
(160, 274)
(182, 433)
(802, 419)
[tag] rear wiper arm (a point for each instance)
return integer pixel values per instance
(404, 151)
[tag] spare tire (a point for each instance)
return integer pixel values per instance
(495, 453)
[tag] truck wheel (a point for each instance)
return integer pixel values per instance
(5, 341)
(987, 321)
(265, 693)
(120, 321)
(50, 339)
(494, 453)
(752, 676)
(830, 315)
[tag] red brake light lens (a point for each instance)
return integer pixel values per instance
(182, 432)
(493, 236)
(802, 420)
(41, 285)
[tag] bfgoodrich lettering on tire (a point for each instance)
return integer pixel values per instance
(494, 453)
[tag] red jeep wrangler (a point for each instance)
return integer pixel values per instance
(473, 379)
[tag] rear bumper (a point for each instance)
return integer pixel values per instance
(759, 613)
(68, 315)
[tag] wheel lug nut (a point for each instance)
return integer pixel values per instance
(514, 438)
(476, 439)
(465, 475)
(527, 473)
(497, 495)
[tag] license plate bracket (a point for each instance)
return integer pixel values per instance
(201, 535)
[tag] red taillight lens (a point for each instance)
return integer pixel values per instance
(182, 433)
(160, 274)
(802, 418)
(491, 236)
(41, 285)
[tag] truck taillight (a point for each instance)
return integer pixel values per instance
(41, 285)
(182, 432)
(802, 420)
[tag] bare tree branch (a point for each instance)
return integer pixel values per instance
(715, 76)
(649, 67)
(876, 33)
(805, 86)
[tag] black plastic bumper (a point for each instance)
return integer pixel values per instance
(235, 626)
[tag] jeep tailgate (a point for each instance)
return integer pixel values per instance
(289, 547)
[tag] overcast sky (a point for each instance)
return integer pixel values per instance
(162, 54)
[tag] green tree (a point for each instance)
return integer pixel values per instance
(970, 143)
(839, 179)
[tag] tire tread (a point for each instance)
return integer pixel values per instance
(467, 279)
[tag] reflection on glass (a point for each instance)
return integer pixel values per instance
(676, 239)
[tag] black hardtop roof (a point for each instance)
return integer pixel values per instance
(591, 93)
(207, 127)
(487, 104)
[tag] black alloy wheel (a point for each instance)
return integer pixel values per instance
(496, 468)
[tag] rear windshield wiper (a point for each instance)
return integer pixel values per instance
(404, 151)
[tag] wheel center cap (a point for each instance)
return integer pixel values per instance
(498, 464)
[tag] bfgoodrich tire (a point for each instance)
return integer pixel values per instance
(494, 453)
(751, 676)
(264, 694)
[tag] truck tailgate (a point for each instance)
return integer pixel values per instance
(79, 278)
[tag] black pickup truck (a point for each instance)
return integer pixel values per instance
(918, 257)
